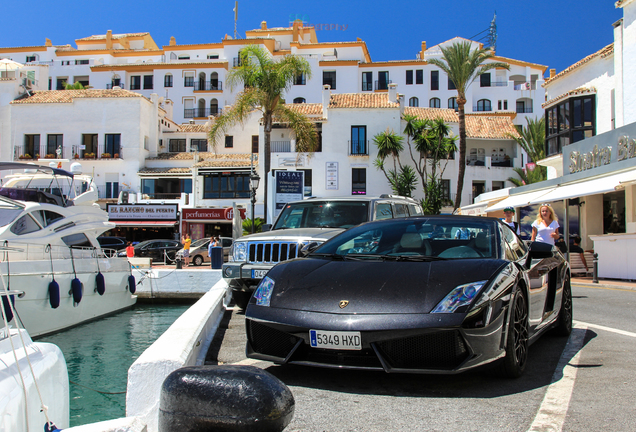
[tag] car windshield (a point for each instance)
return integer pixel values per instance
(415, 238)
(323, 214)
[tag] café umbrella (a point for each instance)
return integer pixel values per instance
(7, 65)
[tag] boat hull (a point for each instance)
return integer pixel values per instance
(34, 276)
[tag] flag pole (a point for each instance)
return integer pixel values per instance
(235, 17)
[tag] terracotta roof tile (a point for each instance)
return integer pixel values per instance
(191, 128)
(115, 36)
(361, 100)
(490, 127)
(309, 109)
(577, 91)
(165, 171)
(448, 115)
(174, 156)
(235, 160)
(67, 96)
(603, 52)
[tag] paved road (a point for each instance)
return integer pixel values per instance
(584, 383)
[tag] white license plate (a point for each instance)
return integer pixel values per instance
(259, 274)
(341, 340)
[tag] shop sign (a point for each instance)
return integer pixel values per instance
(149, 212)
(211, 214)
(580, 161)
(332, 176)
(289, 187)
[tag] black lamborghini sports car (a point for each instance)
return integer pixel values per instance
(438, 294)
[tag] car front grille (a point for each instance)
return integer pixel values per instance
(440, 350)
(264, 252)
(444, 350)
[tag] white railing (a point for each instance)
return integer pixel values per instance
(18, 251)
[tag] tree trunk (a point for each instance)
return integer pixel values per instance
(462, 152)
(267, 119)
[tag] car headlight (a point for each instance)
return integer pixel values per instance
(462, 295)
(239, 251)
(264, 291)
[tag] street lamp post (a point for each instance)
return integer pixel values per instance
(254, 179)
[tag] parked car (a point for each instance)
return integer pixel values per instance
(110, 245)
(158, 250)
(199, 250)
(391, 296)
(313, 220)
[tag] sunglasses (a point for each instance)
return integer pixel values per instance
(545, 205)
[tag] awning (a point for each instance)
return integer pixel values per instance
(145, 224)
(590, 187)
(478, 209)
(521, 200)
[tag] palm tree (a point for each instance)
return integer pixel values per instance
(76, 86)
(532, 141)
(265, 80)
(462, 67)
(401, 178)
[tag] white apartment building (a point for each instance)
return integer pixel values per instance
(192, 76)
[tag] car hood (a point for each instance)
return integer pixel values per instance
(319, 234)
(372, 287)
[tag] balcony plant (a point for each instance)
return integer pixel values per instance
(106, 156)
(89, 155)
(37, 156)
(76, 156)
(49, 156)
(25, 156)
(116, 156)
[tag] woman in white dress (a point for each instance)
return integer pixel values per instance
(546, 227)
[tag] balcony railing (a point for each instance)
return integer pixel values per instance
(201, 112)
(478, 108)
(236, 62)
(524, 110)
(499, 83)
(382, 85)
(358, 148)
(526, 86)
(24, 153)
(207, 85)
(111, 85)
(280, 146)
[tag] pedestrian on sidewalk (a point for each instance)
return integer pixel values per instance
(186, 240)
(545, 228)
(130, 250)
(509, 213)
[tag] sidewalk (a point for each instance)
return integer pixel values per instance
(604, 283)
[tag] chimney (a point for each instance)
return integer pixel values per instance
(109, 39)
(47, 42)
(296, 26)
(168, 106)
(423, 50)
(326, 97)
(552, 73)
(173, 41)
(393, 93)
(263, 25)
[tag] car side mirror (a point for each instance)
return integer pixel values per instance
(266, 227)
(538, 250)
(307, 249)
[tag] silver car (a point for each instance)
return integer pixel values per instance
(199, 250)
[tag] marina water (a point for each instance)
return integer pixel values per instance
(98, 355)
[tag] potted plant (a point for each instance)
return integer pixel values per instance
(37, 155)
(105, 156)
(89, 155)
(116, 155)
(25, 156)
(49, 156)
(76, 156)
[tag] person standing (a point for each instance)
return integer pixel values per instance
(545, 228)
(186, 248)
(213, 243)
(509, 213)
(130, 250)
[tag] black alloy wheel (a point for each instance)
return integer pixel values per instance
(197, 260)
(514, 363)
(564, 323)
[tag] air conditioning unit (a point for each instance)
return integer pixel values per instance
(123, 197)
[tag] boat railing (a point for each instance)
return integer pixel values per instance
(17, 251)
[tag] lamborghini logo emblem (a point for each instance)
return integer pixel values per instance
(343, 304)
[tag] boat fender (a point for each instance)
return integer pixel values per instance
(100, 285)
(50, 427)
(76, 288)
(54, 294)
(224, 398)
(7, 307)
(132, 286)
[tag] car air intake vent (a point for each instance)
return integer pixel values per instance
(444, 350)
(263, 252)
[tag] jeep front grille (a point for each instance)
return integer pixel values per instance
(264, 252)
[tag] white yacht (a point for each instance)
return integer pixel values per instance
(49, 223)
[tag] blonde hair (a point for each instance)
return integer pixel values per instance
(553, 215)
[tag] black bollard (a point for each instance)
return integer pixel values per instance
(224, 399)
(595, 268)
(179, 265)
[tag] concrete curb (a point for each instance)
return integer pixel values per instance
(605, 284)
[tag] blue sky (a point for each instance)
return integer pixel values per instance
(556, 34)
